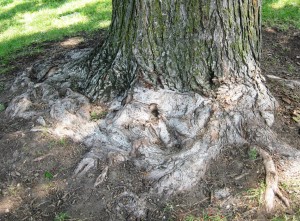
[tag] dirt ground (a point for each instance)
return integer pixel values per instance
(36, 168)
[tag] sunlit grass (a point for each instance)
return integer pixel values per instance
(24, 22)
(282, 13)
(285, 3)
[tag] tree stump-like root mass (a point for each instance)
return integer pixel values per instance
(172, 136)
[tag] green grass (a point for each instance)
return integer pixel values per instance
(61, 217)
(48, 175)
(206, 217)
(281, 13)
(2, 107)
(98, 115)
(287, 217)
(256, 194)
(25, 24)
(252, 154)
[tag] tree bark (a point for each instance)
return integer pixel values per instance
(175, 44)
(192, 83)
(189, 75)
(182, 82)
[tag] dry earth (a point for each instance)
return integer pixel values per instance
(36, 167)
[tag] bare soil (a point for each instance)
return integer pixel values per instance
(36, 168)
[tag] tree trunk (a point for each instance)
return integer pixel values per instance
(178, 45)
(182, 81)
(189, 76)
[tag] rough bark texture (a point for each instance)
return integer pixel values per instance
(183, 81)
(190, 70)
(176, 44)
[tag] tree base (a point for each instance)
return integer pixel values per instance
(171, 136)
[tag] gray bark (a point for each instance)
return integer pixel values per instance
(188, 76)
(181, 45)
(193, 82)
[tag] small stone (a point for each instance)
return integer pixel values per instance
(17, 173)
(41, 121)
(7, 210)
(36, 174)
(222, 193)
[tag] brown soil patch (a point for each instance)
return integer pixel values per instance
(232, 187)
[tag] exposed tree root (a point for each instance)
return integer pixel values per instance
(292, 84)
(170, 135)
(272, 188)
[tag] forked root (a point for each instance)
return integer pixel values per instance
(272, 188)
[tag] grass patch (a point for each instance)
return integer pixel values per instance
(286, 217)
(26, 23)
(2, 87)
(62, 142)
(207, 216)
(281, 13)
(62, 217)
(48, 175)
(252, 154)
(98, 115)
(2, 107)
(256, 194)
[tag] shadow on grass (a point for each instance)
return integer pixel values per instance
(6, 20)
(285, 16)
(5, 2)
(29, 6)
(18, 45)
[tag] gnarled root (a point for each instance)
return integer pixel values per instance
(171, 136)
(84, 166)
(272, 188)
(87, 163)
